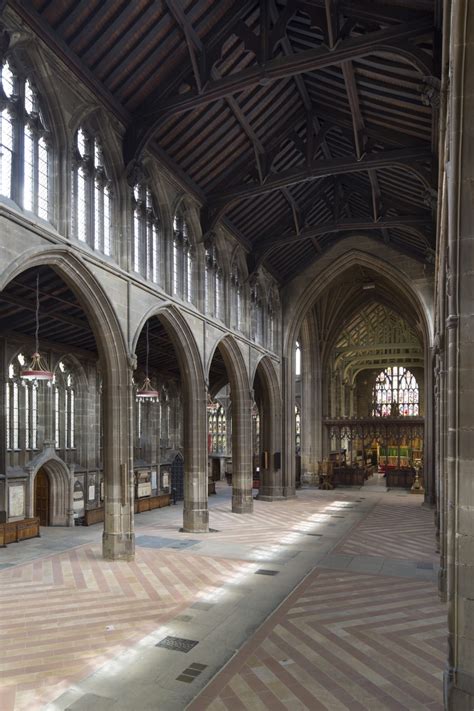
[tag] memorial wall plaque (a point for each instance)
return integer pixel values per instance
(16, 500)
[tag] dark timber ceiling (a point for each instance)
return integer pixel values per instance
(63, 324)
(295, 122)
(61, 318)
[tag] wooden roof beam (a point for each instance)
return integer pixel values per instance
(413, 222)
(393, 40)
(320, 169)
(195, 45)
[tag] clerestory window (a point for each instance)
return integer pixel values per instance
(146, 235)
(25, 153)
(183, 261)
(91, 194)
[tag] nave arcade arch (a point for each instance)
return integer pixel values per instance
(71, 298)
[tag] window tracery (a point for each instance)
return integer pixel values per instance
(236, 298)
(64, 407)
(297, 359)
(257, 312)
(217, 428)
(91, 194)
(146, 234)
(213, 285)
(21, 408)
(183, 260)
(25, 153)
(297, 428)
(395, 393)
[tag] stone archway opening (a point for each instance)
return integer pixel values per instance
(361, 323)
(76, 416)
(53, 500)
(171, 426)
(268, 403)
(228, 378)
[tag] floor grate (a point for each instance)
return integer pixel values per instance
(193, 671)
(262, 571)
(203, 605)
(177, 644)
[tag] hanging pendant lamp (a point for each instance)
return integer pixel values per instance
(37, 369)
(146, 393)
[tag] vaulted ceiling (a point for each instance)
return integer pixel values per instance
(295, 122)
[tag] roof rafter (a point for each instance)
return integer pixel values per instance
(319, 169)
(413, 222)
(394, 40)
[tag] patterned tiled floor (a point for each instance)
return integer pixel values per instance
(348, 641)
(397, 528)
(64, 616)
(344, 639)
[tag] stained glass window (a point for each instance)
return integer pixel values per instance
(297, 428)
(396, 393)
(217, 428)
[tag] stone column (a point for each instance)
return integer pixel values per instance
(428, 445)
(459, 677)
(3, 427)
(288, 427)
(195, 511)
(118, 541)
(270, 436)
(242, 500)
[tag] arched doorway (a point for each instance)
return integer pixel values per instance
(42, 497)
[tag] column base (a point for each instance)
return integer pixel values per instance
(196, 520)
(242, 503)
(289, 492)
(458, 690)
(270, 497)
(118, 546)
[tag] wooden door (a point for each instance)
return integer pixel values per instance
(42, 497)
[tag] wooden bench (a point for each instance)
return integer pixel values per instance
(400, 478)
(16, 531)
(92, 516)
(149, 503)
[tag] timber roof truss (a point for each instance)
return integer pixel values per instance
(294, 122)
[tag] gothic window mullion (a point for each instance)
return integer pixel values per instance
(18, 143)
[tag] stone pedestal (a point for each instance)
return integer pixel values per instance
(118, 546)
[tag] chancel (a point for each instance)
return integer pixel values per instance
(236, 313)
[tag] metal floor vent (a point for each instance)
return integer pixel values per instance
(262, 571)
(193, 671)
(177, 644)
(317, 535)
(203, 605)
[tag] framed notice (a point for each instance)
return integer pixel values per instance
(144, 489)
(16, 500)
(91, 495)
